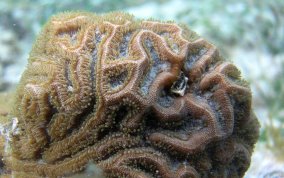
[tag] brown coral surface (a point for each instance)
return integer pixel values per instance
(136, 98)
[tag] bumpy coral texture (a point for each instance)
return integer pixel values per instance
(136, 98)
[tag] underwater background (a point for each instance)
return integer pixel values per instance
(250, 33)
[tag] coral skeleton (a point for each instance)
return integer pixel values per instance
(136, 98)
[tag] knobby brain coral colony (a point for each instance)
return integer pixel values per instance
(138, 98)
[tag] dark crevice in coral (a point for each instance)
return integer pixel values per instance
(150, 120)
(120, 114)
(103, 133)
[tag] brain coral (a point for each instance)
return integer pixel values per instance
(138, 98)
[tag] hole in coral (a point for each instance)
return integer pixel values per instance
(178, 88)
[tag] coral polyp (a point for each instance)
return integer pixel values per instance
(138, 98)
